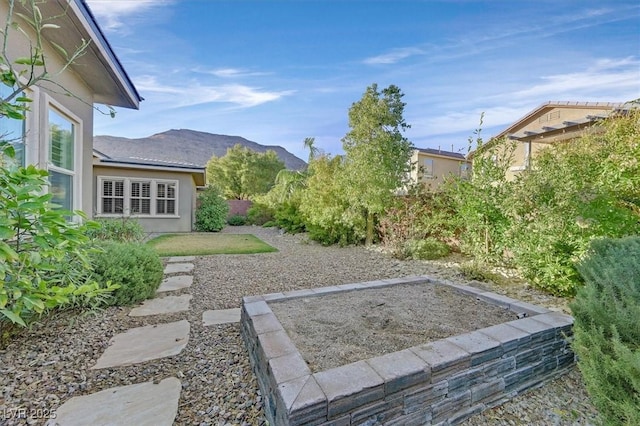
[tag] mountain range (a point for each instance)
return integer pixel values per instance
(184, 146)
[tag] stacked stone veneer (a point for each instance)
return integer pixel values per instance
(442, 382)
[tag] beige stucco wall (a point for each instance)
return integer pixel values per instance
(186, 197)
(78, 107)
(442, 167)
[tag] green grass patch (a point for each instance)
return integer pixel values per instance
(203, 244)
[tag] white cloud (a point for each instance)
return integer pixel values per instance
(229, 72)
(394, 56)
(195, 93)
(110, 12)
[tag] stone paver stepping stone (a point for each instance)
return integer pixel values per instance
(220, 316)
(140, 404)
(162, 305)
(176, 268)
(175, 283)
(175, 259)
(145, 343)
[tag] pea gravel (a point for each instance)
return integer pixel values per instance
(50, 363)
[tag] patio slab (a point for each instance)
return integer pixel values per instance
(177, 282)
(178, 268)
(162, 305)
(179, 259)
(145, 343)
(220, 316)
(140, 404)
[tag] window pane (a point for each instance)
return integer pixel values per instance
(107, 205)
(171, 191)
(146, 189)
(171, 207)
(61, 134)
(62, 189)
(135, 189)
(161, 191)
(119, 189)
(12, 130)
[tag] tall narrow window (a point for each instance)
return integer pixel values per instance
(140, 197)
(464, 170)
(61, 159)
(113, 196)
(427, 168)
(166, 198)
(12, 130)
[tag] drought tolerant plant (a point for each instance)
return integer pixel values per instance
(237, 220)
(125, 229)
(135, 268)
(607, 330)
(259, 214)
(425, 249)
(212, 211)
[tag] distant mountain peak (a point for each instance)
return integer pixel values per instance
(186, 146)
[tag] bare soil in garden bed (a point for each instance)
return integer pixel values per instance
(337, 329)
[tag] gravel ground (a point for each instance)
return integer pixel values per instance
(47, 365)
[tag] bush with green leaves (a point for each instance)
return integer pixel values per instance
(44, 258)
(259, 214)
(212, 211)
(607, 330)
(125, 229)
(237, 220)
(425, 249)
(135, 267)
(288, 217)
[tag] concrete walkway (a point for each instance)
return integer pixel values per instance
(148, 403)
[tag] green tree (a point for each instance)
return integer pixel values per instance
(377, 154)
(243, 173)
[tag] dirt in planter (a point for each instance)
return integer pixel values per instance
(337, 329)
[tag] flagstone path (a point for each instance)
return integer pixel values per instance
(147, 403)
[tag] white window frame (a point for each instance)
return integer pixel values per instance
(127, 197)
(76, 173)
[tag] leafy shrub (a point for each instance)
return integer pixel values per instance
(125, 229)
(44, 259)
(270, 224)
(289, 218)
(237, 220)
(136, 268)
(607, 330)
(336, 233)
(259, 214)
(478, 271)
(426, 249)
(211, 214)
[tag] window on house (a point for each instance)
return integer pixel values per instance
(12, 130)
(427, 168)
(126, 196)
(464, 170)
(61, 159)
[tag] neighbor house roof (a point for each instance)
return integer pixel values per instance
(519, 131)
(442, 153)
(98, 67)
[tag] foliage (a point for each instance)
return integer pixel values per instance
(420, 214)
(43, 257)
(136, 268)
(243, 173)
(125, 229)
(237, 220)
(577, 192)
(212, 211)
(377, 155)
(288, 217)
(607, 331)
(259, 214)
(425, 249)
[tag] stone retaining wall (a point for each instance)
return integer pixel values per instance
(442, 382)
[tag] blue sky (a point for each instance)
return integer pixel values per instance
(278, 71)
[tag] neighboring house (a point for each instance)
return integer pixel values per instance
(161, 195)
(57, 134)
(431, 166)
(550, 123)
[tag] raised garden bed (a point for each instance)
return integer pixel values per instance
(448, 379)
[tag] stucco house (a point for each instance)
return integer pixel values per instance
(161, 195)
(550, 123)
(57, 134)
(431, 167)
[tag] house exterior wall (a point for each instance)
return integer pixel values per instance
(78, 108)
(183, 221)
(442, 168)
